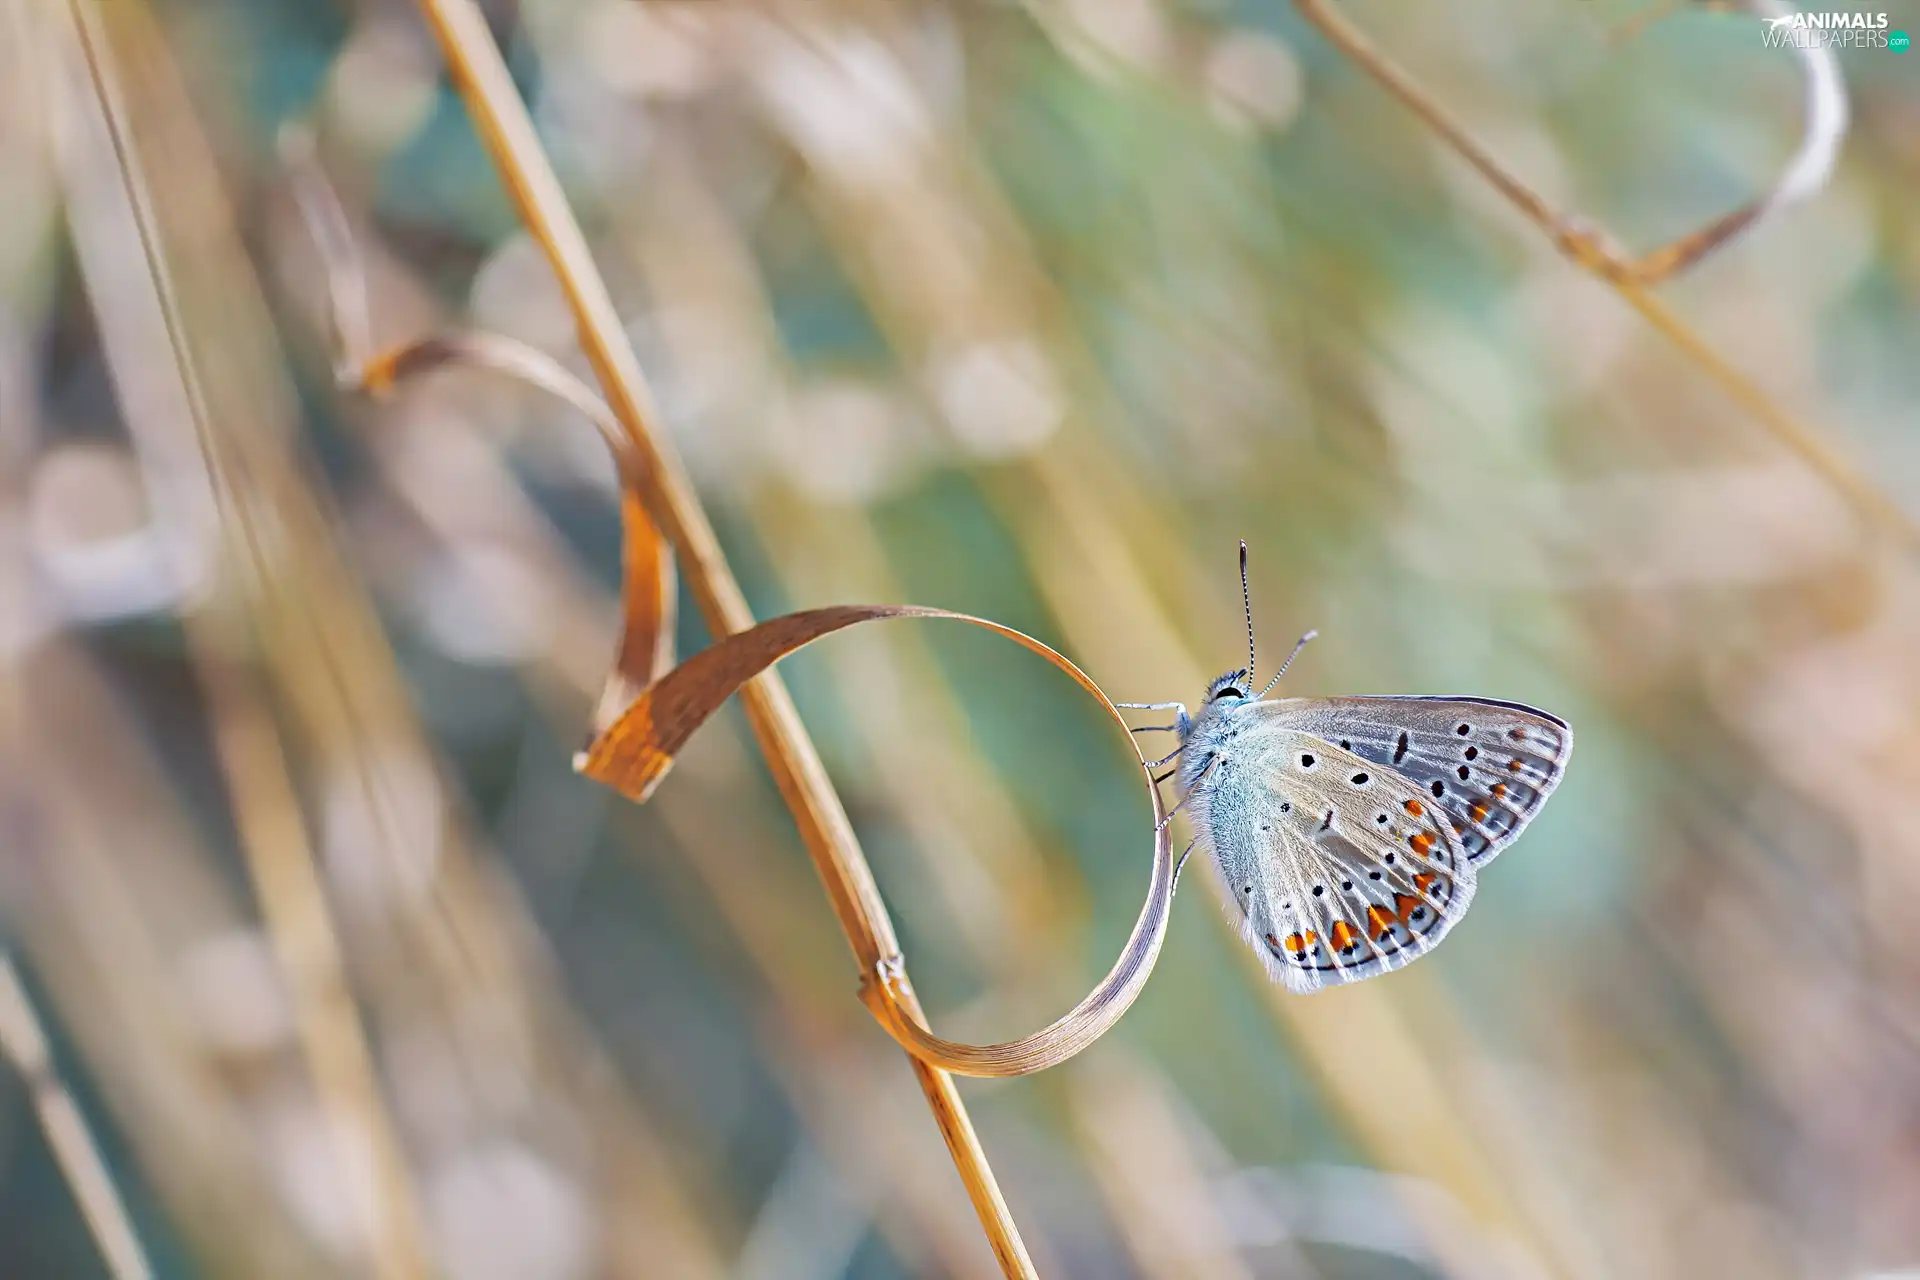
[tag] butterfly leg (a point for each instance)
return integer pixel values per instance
(1181, 803)
(1183, 860)
(1169, 758)
(1181, 720)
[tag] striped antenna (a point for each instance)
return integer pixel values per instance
(1246, 599)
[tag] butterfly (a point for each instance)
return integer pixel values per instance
(1348, 832)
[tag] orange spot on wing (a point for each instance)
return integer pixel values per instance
(1499, 789)
(1424, 879)
(1478, 811)
(1415, 808)
(1421, 841)
(1380, 920)
(1518, 735)
(1296, 943)
(1515, 766)
(1343, 935)
(1407, 904)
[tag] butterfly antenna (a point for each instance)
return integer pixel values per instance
(1289, 662)
(1246, 601)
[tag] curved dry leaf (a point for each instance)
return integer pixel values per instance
(638, 749)
(649, 591)
(1805, 174)
(648, 596)
(349, 314)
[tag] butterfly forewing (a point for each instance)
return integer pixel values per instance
(1340, 869)
(1489, 765)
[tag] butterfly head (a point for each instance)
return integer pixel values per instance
(1233, 685)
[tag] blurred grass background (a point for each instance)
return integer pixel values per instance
(1024, 309)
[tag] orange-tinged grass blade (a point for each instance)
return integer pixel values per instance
(648, 587)
(637, 750)
(647, 607)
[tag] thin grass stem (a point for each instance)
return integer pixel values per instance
(501, 119)
(23, 1041)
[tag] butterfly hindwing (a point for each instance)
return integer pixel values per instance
(1340, 869)
(1490, 765)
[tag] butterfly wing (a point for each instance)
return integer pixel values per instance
(1491, 765)
(1339, 869)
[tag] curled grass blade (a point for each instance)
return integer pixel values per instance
(649, 591)
(1803, 176)
(635, 753)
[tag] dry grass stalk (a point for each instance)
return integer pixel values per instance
(809, 1043)
(305, 632)
(502, 121)
(1165, 1229)
(1632, 279)
(280, 856)
(117, 892)
(24, 1043)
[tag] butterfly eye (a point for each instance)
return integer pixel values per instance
(1228, 692)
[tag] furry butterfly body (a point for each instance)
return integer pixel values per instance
(1348, 832)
